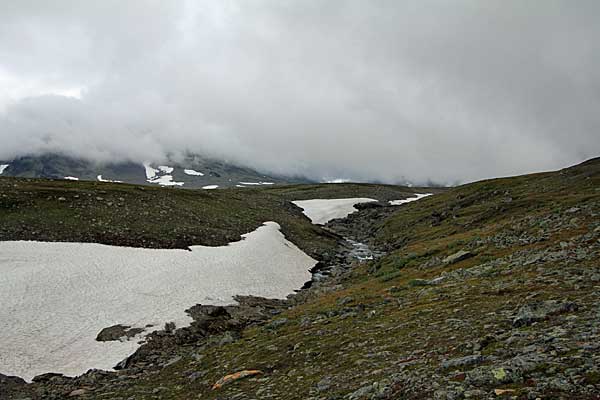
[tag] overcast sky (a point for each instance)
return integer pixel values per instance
(395, 90)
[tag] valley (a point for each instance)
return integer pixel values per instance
(486, 290)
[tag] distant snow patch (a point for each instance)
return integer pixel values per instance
(101, 179)
(256, 183)
(3, 167)
(161, 175)
(192, 172)
(321, 211)
(56, 297)
(150, 172)
(410, 199)
(72, 178)
(338, 180)
(210, 187)
(166, 180)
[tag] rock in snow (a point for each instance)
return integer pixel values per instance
(118, 332)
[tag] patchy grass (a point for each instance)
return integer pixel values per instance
(394, 324)
(393, 318)
(143, 216)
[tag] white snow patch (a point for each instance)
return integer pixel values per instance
(256, 183)
(56, 297)
(150, 172)
(321, 211)
(161, 175)
(71, 178)
(99, 177)
(410, 199)
(240, 186)
(338, 180)
(192, 172)
(3, 167)
(210, 187)
(166, 180)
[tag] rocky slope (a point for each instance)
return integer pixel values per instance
(489, 290)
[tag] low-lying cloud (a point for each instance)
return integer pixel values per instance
(381, 90)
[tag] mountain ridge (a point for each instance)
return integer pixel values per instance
(192, 172)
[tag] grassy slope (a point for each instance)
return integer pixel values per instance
(490, 204)
(143, 216)
(394, 331)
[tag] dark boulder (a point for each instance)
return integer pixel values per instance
(116, 332)
(10, 384)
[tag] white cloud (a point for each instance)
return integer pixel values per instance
(386, 91)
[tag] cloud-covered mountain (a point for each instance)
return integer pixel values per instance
(192, 172)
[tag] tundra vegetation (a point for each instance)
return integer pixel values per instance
(486, 290)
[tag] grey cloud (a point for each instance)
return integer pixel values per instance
(381, 90)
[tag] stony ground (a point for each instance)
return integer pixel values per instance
(142, 216)
(489, 290)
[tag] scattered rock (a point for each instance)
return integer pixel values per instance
(462, 361)
(172, 361)
(324, 384)
(276, 324)
(170, 327)
(227, 379)
(430, 263)
(47, 377)
(458, 256)
(345, 300)
(500, 392)
(362, 392)
(540, 311)
(124, 364)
